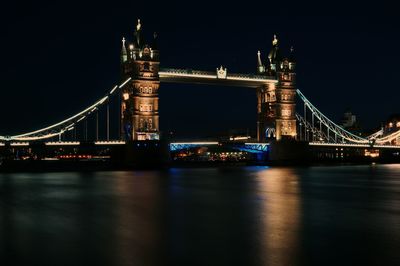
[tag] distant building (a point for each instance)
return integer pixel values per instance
(391, 125)
(349, 120)
(350, 123)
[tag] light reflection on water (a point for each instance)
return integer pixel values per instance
(343, 215)
(281, 210)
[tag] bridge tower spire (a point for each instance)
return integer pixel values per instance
(260, 66)
(124, 53)
(139, 102)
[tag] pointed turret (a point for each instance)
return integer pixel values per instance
(260, 66)
(124, 53)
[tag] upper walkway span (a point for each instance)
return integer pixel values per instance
(219, 77)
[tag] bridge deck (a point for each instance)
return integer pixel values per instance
(211, 78)
(352, 145)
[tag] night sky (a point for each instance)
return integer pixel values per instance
(57, 58)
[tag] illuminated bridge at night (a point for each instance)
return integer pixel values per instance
(274, 85)
(312, 125)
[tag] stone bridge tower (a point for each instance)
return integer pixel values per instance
(276, 101)
(139, 100)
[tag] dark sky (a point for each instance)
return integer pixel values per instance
(57, 58)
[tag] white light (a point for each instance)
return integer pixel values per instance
(19, 144)
(2, 144)
(175, 73)
(60, 143)
(240, 138)
(352, 145)
(113, 89)
(112, 142)
(80, 119)
(123, 84)
(28, 138)
(125, 96)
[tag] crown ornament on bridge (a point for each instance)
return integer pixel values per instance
(222, 72)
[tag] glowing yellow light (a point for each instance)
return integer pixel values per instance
(371, 153)
(125, 96)
(61, 143)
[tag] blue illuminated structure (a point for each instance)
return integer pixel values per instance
(253, 147)
(247, 147)
(176, 146)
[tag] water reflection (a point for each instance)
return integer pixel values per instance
(210, 216)
(138, 213)
(278, 189)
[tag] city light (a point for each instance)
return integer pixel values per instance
(19, 144)
(240, 138)
(115, 142)
(61, 143)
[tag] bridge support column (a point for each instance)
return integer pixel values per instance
(139, 100)
(280, 97)
(261, 114)
(285, 113)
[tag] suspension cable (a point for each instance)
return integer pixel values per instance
(65, 125)
(336, 129)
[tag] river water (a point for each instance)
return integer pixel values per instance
(332, 215)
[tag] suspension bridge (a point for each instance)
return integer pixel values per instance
(313, 125)
(136, 104)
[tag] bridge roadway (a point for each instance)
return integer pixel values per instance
(211, 78)
(183, 145)
(173, 146)
(352, 145)
(66, 143)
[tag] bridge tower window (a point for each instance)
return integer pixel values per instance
(141, 124)
(145, 108)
